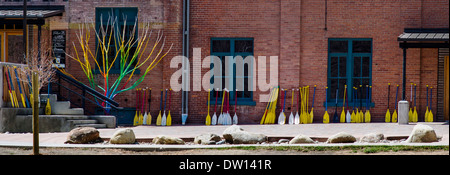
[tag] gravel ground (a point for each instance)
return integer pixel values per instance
(102, 151)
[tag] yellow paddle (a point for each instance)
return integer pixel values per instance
(367, 114)
(136, 116)
(353, 115)
(410, 113)
(208, 118)
(158, 119)
(311, 115)
(430, 114)
(387, 118)
(149, 117)
(394, 115)
(270, 118)
(169, 117)
(415, 114)
(326, 117)
(342, 119)
(427, 112)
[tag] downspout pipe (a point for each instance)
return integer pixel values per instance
(185, 50)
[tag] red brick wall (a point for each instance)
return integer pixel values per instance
(292, 30)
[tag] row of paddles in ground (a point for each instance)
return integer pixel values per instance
(224, 117)
(356, 116)
(304, 116)
(143, 116)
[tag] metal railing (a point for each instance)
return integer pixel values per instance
(95, 98)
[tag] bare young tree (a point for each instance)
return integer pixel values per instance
(40, 63)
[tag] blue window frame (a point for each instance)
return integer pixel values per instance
(349, 63)
(124, 17)
(233, 47)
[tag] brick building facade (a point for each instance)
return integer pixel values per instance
(299, 32)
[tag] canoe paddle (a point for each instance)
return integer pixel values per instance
(342, 119)
(16, 102)
(348, 116)
(158, 119)
(311, 115)
(9, 89)
(136, 116)
(297, 117)
(430, 114)
(144, 122)
(387, 118)
(214, 117)
(353, 115)
(415, 114)
(208, 118)
(282, 117)
(426, 112)
(219, 121)
(336, 116)
(169, 117)
(410, 113)
(326, 117)
(164, 117)
(235, 117)
(367, 114)
(149, 118)
(291, 117)
(394, 115)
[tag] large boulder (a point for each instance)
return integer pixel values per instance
(372, 138)
(167, 140)
(422, 133)
(236, 135)
(83, 135)
(207, 139)
(123, 136)
(341, 137)
(299, 139)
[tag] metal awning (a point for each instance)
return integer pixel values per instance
(16, 12)
(424, 38)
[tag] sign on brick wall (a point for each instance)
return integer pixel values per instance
(59, 48)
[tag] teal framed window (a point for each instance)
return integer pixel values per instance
(232, 48)
(349, 63)
(124, 18)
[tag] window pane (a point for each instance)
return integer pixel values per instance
(362, 46)
(366, 67)
(332, 90)
(356, 66)
(246, 66)
(247, 93)
(221, 45)
(342, 66)
(243, 46)
(338, 47)
(334, 67)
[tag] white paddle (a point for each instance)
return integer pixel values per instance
(291, 117)
(214, 117)
(282, 117)
(297, 117)
(235, 117)
(163, 121)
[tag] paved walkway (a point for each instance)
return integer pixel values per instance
(190, 131)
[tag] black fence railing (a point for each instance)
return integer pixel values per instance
(81, 95)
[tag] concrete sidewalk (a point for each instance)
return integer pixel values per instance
(190, 131)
